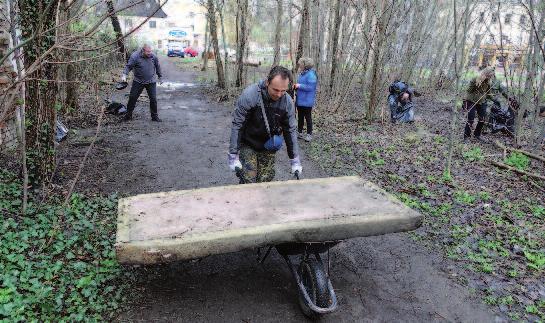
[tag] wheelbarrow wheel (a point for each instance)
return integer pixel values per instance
(314, 280)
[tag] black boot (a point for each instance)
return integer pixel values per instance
(127, 117)
(156, 119)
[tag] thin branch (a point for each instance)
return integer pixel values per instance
(516, 170)
(529, 154)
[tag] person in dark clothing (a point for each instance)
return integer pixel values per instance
(400, 102)
(306, 96)
(145, 67)
(263, 113)
(481, 90)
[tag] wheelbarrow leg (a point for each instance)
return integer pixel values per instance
(316, 294)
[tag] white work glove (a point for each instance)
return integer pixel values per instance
(234, 162)
(296, 165)
(123, 78)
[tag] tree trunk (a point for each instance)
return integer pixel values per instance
(320, 39)
(72, 89)
(214, 39)
(334, 43)
(291, 33)
(117, 30)
(22, 128)
(532, 63)
(278, 32)
(206, 46)
(303, 33)
(69, 90)
(36, 18)
(224, 43)
(242, 12)
(376, 71)
(450, 151)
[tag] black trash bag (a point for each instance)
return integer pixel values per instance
(121, 85)
(502, 118)
(61, 131)
(115, 108)
(402, 113)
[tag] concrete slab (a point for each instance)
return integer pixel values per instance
(182, 225)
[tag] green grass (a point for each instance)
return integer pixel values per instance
(464, 197)
(58, 263)
(518, 160)
(535, 260)
(474, 154)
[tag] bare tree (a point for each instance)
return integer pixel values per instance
(242, 32)
(278, 32)
(214, 39)
(303, 33)
(334, 43)
(382, 20)
(38, 20)
(224, 43)
(117, 29)
(206, 45)
(450, 151)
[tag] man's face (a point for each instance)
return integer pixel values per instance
(404, 97)
(146, 51)
(277, 87)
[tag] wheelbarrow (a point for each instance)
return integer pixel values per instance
(314, 215)
(316, 293)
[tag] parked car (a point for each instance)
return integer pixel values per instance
(231, 53)
(175, 49)
(191, 52)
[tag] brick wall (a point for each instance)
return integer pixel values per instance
(8, 127)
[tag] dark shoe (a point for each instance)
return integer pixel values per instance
(156, 119)
(481, 139)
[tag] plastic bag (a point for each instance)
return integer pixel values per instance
(61, 131)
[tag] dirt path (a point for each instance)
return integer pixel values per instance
(388, 278)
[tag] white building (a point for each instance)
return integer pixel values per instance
(178, 20)
(498, 27)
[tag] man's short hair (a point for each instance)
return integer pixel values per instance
(279, 70)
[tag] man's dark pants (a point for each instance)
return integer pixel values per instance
(474, 109)
(136, 90)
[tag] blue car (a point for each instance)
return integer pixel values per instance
(175, 50)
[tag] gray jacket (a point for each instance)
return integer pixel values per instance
(144, 68)
(249, 126)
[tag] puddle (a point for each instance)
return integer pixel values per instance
(175, 85)
(168, 107)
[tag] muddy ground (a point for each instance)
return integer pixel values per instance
(385, 278)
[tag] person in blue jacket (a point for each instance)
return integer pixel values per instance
(306, 96)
